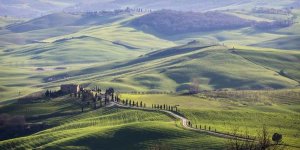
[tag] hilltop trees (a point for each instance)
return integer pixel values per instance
(53, 94)
(165, 107)
(264, 25)
(47, 93)
(176, 22)
(172, 22)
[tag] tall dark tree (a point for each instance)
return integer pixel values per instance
(110, 92)
(47, 93)
(277, 138)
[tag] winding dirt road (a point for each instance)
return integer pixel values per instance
(184, 122)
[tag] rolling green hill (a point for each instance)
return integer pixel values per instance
(210, 65)
(235, 70)
(288, 43)
(109, 128)
(116, 54)
(246, 111)
(64, 19)
(36, 30)
(89, 45)
(4, 21)
(213, 66)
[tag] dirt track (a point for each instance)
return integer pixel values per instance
(184, 122)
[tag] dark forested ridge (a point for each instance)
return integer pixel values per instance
(170, 22)
(174, 22)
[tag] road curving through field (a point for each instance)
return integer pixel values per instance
(184, 122)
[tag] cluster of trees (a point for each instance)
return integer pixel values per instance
(115, 12)
(174, 22)
(94, 97)
(165, 107)
(209, 128)
(271, 11)
(264, 25)
(148, 92)
(53, 94)
(133, 103)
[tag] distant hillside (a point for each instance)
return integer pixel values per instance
(36, 8)
(288, 43)
(195, 5)
(32, 8)
(4, 21)
(64, 19)
(209, 65)
(57, 24)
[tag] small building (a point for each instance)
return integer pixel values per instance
(70, 88)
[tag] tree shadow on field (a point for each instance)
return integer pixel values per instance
(219, 81)
(125, 138)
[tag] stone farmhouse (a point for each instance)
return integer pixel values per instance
(70, 88)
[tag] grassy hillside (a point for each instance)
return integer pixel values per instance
(212, 66)
(103, 49)
(4, 21)
(215, 67)
(188, 5)
(246, 110)
(32, 8)
(109, 128)
(99, 44)
(283, 62)
(64, 19)
(36, 30)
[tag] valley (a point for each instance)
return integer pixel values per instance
(229, 68)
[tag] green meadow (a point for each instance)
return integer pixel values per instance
(105, 128)
(247, 78)
(246, 111)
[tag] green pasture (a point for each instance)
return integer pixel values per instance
(247, 111)
(112, 128)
